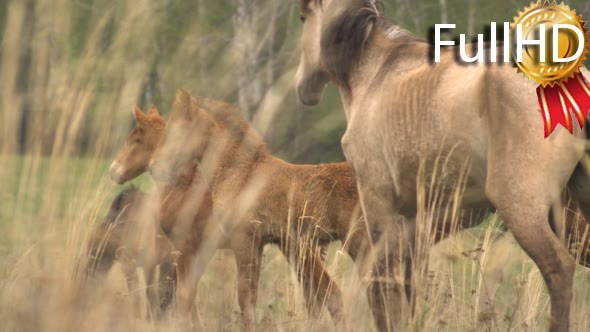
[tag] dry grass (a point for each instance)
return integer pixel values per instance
(479, 279)
(49, 203)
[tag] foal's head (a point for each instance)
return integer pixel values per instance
(189, 132)
(136, 153)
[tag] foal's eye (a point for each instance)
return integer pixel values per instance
(302, 18)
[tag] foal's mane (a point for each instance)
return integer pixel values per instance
(230, 118)
(122, 201)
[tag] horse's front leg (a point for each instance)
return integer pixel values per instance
(248, 253)
(389, 236)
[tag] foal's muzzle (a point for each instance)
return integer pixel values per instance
(117, 172)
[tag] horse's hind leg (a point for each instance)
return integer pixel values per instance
(531, 229)
(523, 181)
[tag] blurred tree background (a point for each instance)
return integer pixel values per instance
(74, 68)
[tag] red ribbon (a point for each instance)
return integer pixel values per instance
(559, 100)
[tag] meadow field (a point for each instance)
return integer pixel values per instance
(70, 73)
(478, 280)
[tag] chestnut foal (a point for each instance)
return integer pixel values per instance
(260, 199)
(184, 214)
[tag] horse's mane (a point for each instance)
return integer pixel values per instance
(345, 37)
(230, 118)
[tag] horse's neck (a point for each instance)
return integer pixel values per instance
(386, 50)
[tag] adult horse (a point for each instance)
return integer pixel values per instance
(409, 118)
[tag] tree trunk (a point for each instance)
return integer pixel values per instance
(249, 89)
(471, 19)
(444, 17)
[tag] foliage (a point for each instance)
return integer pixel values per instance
(241, 51)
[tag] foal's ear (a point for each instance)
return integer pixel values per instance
(137, 113)
(153, 111)
(182, 103)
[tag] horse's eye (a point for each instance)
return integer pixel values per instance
(302, 18)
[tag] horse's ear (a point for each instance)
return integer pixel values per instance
(182, 103)
(303, 5)
(138, 114)
(153, 111)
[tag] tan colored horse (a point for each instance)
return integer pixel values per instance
(408, 117)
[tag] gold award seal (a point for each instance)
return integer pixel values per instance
(562, 88)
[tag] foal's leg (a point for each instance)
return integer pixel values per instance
(166, 283)
(129, 266)
(525, 176)
(189, 270)
(151, 280)
(161, 285)
(318, 286)
(248, 253)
